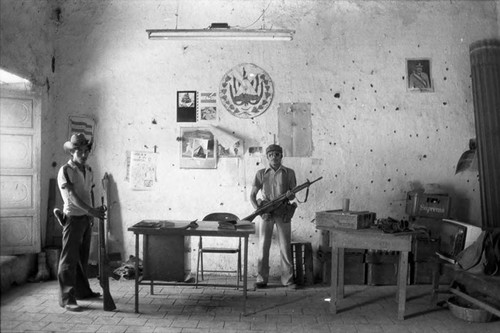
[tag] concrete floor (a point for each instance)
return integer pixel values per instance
(34, 307)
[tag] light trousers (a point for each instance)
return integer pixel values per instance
(284, 232)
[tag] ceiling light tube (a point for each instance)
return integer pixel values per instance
(221, 34)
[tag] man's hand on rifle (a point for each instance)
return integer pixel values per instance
(98, 212)
(261, 203)
(266, 216)
(290, 195)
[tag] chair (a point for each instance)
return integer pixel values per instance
(220, 250)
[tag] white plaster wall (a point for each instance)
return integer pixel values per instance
(27, 31)
(373, 143)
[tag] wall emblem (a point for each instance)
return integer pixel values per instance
(246, 91)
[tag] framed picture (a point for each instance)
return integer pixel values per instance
(198, 146)
(85, 125)
(186, 106)
(81, 124)
(207, 107)
(419, 75)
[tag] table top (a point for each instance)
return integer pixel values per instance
(365, 231)
(369, 238)
(181, 227)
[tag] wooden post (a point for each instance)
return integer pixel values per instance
(485, 70)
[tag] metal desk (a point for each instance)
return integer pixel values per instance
(205, 229)
(371, 239)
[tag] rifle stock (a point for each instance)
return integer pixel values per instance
(274, 204)
(108, 302)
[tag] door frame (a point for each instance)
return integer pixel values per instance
(34, 244)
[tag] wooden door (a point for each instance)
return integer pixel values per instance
(20, 141)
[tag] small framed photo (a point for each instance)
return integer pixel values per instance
(418, 72)
(186, 106)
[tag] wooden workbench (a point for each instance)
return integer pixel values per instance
(371, 239)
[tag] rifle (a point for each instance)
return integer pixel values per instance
(274, 204)
(108, 303)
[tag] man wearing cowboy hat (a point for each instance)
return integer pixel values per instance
(75, 181)
(274, 181)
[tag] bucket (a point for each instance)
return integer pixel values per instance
(468, 311)
(53, 254)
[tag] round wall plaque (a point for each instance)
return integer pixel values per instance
(246, 91)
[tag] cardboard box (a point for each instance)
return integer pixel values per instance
(428, 205)
(346, 220)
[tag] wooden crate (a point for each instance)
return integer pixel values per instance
(423, 249)
(382, 274)
(422, 272)
(383, 267)
(428, 205)
(302, 263)
(354, 267)
(346, 220)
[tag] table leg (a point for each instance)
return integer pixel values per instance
(145, 262)
(245, 275)
(341, 273)
(435, 282)
(334, 283)
(402, 281)
(136, 273)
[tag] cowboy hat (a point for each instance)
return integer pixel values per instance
(77, 141)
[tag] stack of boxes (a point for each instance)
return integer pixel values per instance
(426, 210)
(354, 262)
(355, 267)
(382, 267)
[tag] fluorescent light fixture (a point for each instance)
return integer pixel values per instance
(221, 34)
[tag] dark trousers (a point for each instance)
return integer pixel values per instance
(72, 275)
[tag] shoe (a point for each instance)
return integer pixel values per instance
(260, 285)
(292, 286)
(59, 216)
(73, 307)
(89, 296)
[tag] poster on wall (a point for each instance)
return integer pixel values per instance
(419, 75)
(246, 91)
(142, 170)
(295, 140)
(228, 143)
(81, 124)
(186, 106)
(208, 107)
(197, 148)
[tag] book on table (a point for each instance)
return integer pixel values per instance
(233, 225)
(155, 224)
